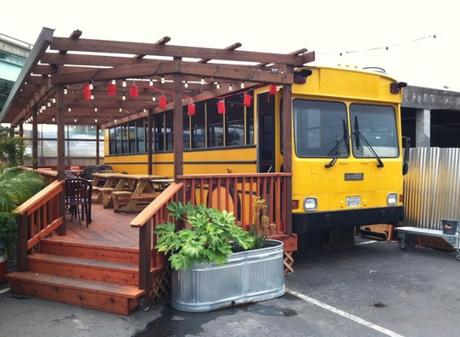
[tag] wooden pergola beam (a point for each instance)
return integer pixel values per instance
(231, 47)
(121, 47)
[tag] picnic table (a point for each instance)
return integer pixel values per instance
(125, 192)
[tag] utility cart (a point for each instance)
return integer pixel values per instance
(450, 233)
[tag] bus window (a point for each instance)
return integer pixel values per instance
(215, 125)
(169, 130)
(112, 141)
(159, 132)
(320, 129)
(186, 128)
(198, 127)
(234, 123)
(140, 135)
(377, 125)
(132, 137)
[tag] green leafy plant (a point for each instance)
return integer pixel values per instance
(12, 150)
(8, 229)
(210, 235)
(16, 186)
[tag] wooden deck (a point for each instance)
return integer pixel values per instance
(108, 229)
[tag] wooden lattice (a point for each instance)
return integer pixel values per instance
(288, 262)
(161, 285)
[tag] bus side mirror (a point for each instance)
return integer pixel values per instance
(405, 167)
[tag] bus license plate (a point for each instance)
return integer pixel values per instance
(353, 201)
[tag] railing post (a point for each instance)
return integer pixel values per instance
(145, 257)
(23, 236)
(287, 155)
(60, 120)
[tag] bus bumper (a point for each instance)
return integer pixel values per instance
(303, 222)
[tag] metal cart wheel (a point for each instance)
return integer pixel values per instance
(402, 243)
(457, 255)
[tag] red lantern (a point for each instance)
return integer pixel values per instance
(111, 89)
(247, 100)
(221, 107)
(163, 102)
(191, 109)
(272, 89)
(86, 92)
(134, 91)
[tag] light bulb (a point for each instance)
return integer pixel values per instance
(145, 110)
(53, 119)
(123, 98)
(120, 110)
(53, 100)
(186, 84)
(123, 84)
(202, 82)
(65, 91)
(217, 85)
(114, 82)
(115, 120)
(75, 120)
(91, 86)
(151, 83)
(92, 96)
(242, 85)
(95, 109)
(153, 99)
(69, 109)
(95, 120)
(162, 80)
(49, 104)
(230, 87)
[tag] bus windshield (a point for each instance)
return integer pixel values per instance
(377, 125)
(320, 129)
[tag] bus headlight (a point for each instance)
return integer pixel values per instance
(310, 204)
(392, 199)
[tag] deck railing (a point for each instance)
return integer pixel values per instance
(232, 192)
(48, 175)
(39, 216)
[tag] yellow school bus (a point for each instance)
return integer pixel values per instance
(347, 154)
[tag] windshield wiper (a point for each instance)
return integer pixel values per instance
(358, 136)
(335, 148)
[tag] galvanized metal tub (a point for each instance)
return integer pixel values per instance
(248, 276)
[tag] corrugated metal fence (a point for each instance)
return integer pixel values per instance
(432, 187)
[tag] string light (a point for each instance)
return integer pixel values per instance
(153, 98)
(217, 85)
(120, 110)
(202, 82)
(75, 120)
(92, 97)
(95, 109)
(145, 110)
(115, 120)
(162, 80)
(53, 100)
(123, 98)
(114, 82)
(123, 84)
(49, 104)
(65, 91)
(53, 119)
(95, 120)
(186, 84)
(230, 87)
(151, 83)
(242, 85)
(91, 86)
(69, 109)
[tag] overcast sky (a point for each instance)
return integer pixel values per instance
(328, 26)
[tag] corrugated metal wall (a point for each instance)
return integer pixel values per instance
(432, 187)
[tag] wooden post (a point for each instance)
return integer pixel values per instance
(287, 154)
(97, 144)
(150, 142)
(23, 236)
(145, 257)
(178, 125)
(21, 129)
(60, 121)
(34, 139)
(11, 131)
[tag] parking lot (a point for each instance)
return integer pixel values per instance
(370, 289)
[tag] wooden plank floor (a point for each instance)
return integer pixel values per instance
(108, 228)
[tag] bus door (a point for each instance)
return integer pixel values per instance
(266, 132)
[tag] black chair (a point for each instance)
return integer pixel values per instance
(88, 172)
(104, 168)
(78, 199)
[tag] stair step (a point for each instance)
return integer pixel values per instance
(90, 251)
(121, 299)
(89, 269)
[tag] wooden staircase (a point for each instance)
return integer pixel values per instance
(93, 276)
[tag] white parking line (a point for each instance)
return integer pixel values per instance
(365, 242)
(4, 291)
(344, 314)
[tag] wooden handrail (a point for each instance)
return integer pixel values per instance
(50, 173)
(143, 217)
(236, 175)
(38, 200)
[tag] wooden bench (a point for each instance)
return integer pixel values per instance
(106, 193)
(119, 199)
(142, 199)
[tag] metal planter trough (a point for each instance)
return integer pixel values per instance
(248, 276)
